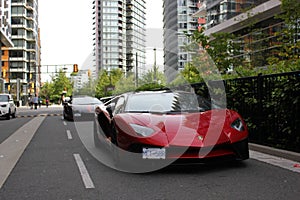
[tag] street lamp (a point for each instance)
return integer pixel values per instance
(154, 66)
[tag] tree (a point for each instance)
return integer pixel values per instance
(221, 47)
(289, 36)
(61, 83)
(125, 84)
(46, 90)
(153, 76)
(106, 80)
(87, 89)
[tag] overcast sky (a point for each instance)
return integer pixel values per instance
(66, 31)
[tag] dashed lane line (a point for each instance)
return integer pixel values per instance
(88, 183)
(13, 147)
(69, 135)
(38, 115)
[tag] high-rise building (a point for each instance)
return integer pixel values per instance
(178, 21)
(5, 42)
(254, 23)
(119, 34)
(24, 57)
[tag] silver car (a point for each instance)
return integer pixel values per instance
(7, 106)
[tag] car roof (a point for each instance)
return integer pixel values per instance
(160, 92)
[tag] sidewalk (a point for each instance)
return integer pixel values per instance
(275, 152)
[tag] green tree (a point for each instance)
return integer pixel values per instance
(290, 44)
(106, 80)
(125, 84)
(46, 90)
(153, 76)
(88, 88)
(221, 47)
(61, 83)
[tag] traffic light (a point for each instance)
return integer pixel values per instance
(75, 68)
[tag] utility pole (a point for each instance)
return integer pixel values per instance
(154, 66)
(136, 71)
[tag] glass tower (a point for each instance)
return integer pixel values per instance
(24, 57)
(119, 34)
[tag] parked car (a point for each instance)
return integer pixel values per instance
(7, 106)
(170, 125)
(81, 108)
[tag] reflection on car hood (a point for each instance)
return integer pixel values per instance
(186, 128)
(84, 108)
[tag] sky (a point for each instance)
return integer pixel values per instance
(66, 32)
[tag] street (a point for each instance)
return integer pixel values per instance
(42, 156)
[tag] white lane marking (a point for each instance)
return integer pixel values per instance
(276, 161)
(13, 147)
(65, 123)
(69, 135)
(88, 183)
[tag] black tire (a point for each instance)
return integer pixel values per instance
(116, 151)
(14, 114)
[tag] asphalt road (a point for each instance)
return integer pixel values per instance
(55, 164)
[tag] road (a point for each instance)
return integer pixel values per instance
(44, 157)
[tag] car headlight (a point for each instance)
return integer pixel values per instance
(4, 105)
(142, 130)
(238, 125)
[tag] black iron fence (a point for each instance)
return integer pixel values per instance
(270, 104)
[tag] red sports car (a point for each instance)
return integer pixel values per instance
(171, 125)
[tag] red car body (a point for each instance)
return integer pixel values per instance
(189, 135)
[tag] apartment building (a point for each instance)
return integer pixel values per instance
(5, 42)
(24, 56)
(119, 34)
(178, 20)
(253, 22)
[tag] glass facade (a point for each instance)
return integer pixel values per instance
(119, 34)
(177, 20)
(24, 56)
(256, 43)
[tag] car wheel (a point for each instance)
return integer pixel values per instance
(14, 114)
(8, 115)
(116, 151)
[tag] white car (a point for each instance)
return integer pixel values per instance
(7, 106)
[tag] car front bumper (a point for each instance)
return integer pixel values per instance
(3, 111)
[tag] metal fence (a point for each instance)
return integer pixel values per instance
(270, 104)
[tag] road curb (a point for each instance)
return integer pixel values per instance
(275, 152)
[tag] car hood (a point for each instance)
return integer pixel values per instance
(84, 108)
(192, 129)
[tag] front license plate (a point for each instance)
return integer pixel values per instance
(154, 153)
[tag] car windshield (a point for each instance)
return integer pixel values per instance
(4, 98)
(168, 102)
(86, 101)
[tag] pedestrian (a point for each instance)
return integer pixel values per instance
(31, 102)
(47, 102)
(40, 101)
(35, 101)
